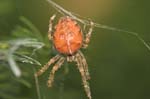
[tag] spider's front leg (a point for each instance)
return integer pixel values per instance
(54, 69)
(45, 67)
(83, 76)
(84, 64)
(88, 35)
(51, 27)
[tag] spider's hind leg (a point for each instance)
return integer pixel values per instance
(51, 27)
(88, 35)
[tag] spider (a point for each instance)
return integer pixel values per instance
(67, 40)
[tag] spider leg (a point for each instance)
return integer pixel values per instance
(46, 66)
(84, 78)
(51, 26)
(84, 64)
(88, 35)
(54, 69)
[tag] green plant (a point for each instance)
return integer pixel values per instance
(18, 49)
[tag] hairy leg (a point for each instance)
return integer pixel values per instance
(88, 35)
(45, 67)
(84, 64)
(50, 27)
(54, 69)
(84, 79)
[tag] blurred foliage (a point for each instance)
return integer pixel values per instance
(25, 41)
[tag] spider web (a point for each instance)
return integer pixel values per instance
(98, 25)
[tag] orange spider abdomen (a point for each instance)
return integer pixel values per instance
(67, 37)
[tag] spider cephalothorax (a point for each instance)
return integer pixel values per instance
(68, 39)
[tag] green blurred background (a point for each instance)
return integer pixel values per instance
(119, 63)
